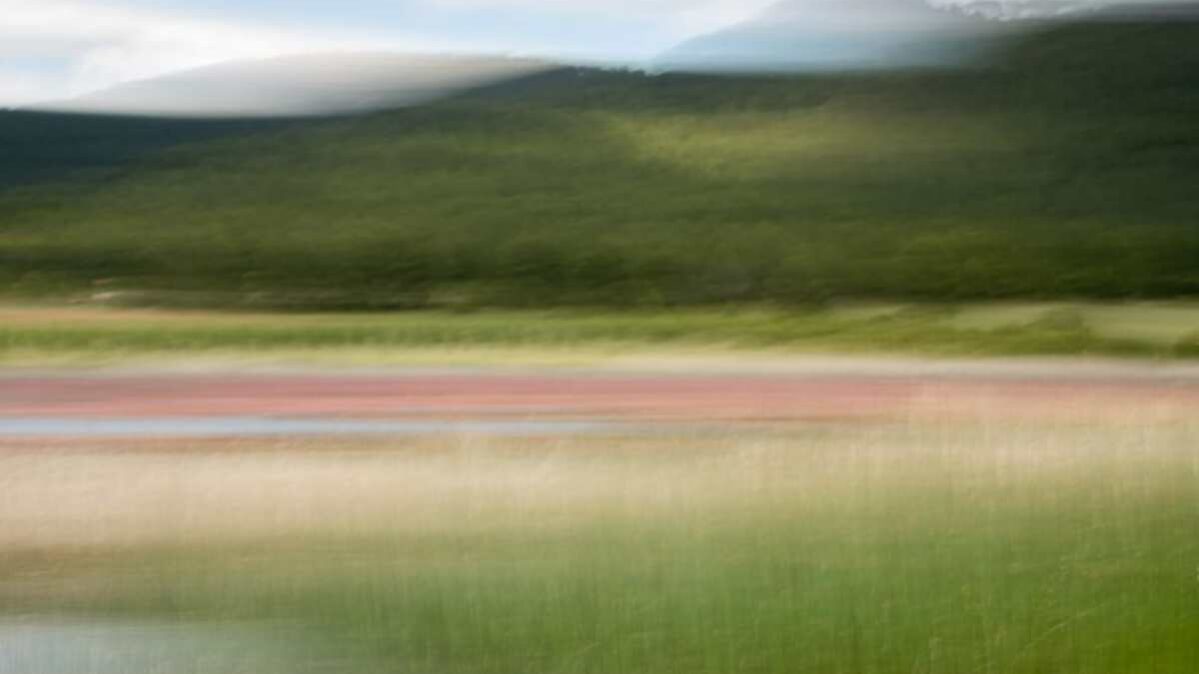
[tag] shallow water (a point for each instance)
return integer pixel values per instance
(265, 426)
(53, 647)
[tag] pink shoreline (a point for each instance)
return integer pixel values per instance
(637, 397)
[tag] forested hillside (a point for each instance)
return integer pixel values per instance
(1064, 168)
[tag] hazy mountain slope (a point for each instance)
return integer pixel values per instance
(816, 35)
(104, 131)
(1028, 179)
(1109, 62)
(305, 85)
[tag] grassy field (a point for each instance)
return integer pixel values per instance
(976, 546)
(1064, 169)
(44, 334)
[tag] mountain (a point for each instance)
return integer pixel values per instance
(1063, 166)
(831, 35)
(96, 135)
(304, 85)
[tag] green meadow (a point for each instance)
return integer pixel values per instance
(48, 334)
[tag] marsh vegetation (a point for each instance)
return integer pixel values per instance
(972, 545)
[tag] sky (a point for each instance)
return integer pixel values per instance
(53, 50)
(57, 49)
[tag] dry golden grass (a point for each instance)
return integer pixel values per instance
(147, 492)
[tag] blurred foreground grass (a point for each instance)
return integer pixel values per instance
(933, 547)
(31, 334)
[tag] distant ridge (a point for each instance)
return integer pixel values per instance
(1147, 12)
(831, 35)
(304, 85)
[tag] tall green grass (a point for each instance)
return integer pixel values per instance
(990, 547)
(1031, 329)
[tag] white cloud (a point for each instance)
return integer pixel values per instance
(56, 49)
(21, 87)
(53, 49)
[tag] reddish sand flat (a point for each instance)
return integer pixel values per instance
(640, 397)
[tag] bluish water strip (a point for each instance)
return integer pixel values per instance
(33, 427)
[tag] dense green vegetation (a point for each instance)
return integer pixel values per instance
(1065, 169)
(1131, 330)
(39, 147)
